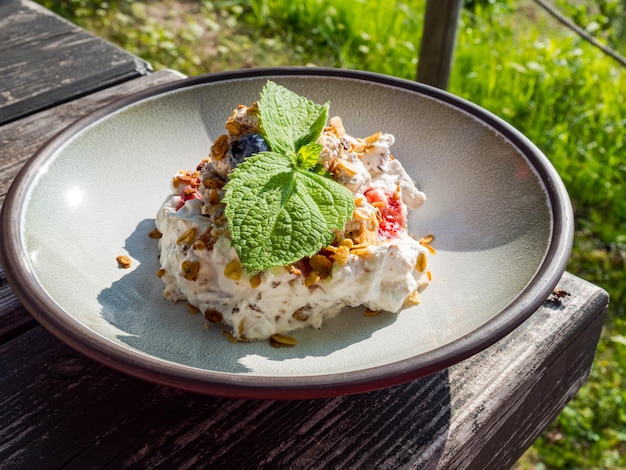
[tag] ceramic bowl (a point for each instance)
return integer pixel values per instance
(500, 214)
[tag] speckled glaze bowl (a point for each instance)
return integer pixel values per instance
(500, 214)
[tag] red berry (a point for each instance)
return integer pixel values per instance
(393, 217)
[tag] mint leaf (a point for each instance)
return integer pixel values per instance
(278, 213)
(280, 205)
(308, 155)
(289, 121)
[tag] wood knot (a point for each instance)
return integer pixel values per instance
(66, 367)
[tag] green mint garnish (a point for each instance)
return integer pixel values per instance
(280, 207)
(289, 121)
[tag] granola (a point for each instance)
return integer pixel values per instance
(373, 262)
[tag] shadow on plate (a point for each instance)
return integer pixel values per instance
(146, 322)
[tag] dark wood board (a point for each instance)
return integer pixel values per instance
(45, 60)
(61, 409)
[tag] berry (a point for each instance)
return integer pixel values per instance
(248, 145)
(392, 216)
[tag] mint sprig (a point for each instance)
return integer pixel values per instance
(289, 121)
(278, 205)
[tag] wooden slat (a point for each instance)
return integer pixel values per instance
(60, 408)
(438, 42)
(14, 319)
(45, 60)
(537, 370)
(71, 399)
(19, 140)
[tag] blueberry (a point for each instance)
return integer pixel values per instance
(248, 145)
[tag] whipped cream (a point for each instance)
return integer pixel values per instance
(373, 262)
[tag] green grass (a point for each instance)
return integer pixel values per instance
(512, 59)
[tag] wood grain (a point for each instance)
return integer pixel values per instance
(45, 60)
(20, 140)
(438, 42)
(481, 413)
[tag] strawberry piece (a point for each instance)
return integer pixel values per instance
(392, 216)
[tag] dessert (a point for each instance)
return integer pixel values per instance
(233, 231)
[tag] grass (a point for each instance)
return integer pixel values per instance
(512, 59)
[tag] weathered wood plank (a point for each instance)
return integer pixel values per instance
(14, 319)
(45, 60)
(19, 140)
(54, 402)
(540, 367)
(438, 42)
(481, 413)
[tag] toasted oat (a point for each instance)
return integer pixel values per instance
(193, 309)
(342, 255)
(292, 269)
(430, 249)
(190, 269)
(311, 278)
(321, 264)
(336, 126)
(362, 214)
(186, 178)
(255, 281)
(187, 237)
(279, 340)
(412, 299)
(342, 168)
(361, 251)
(123, 261)
(213, 316)
(347, 242)
(214, 196)
(213, 183)
(371, 313)
(154, 233)
(208, 238)
(220, 220)
(367, 235)
(253, 109)
(233, 270)
(160, 272)
(229, 337)
(358, 147)
(359, 246)
(233, 128)
(220, 147)
(301, 314)
(199, 245)
(373, 138)
(421, 262)
(364, 226)
(426, 241)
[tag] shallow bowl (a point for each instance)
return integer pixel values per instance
(500, 214)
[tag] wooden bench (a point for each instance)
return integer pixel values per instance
(60, 409)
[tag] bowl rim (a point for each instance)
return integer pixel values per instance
(21, 276)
